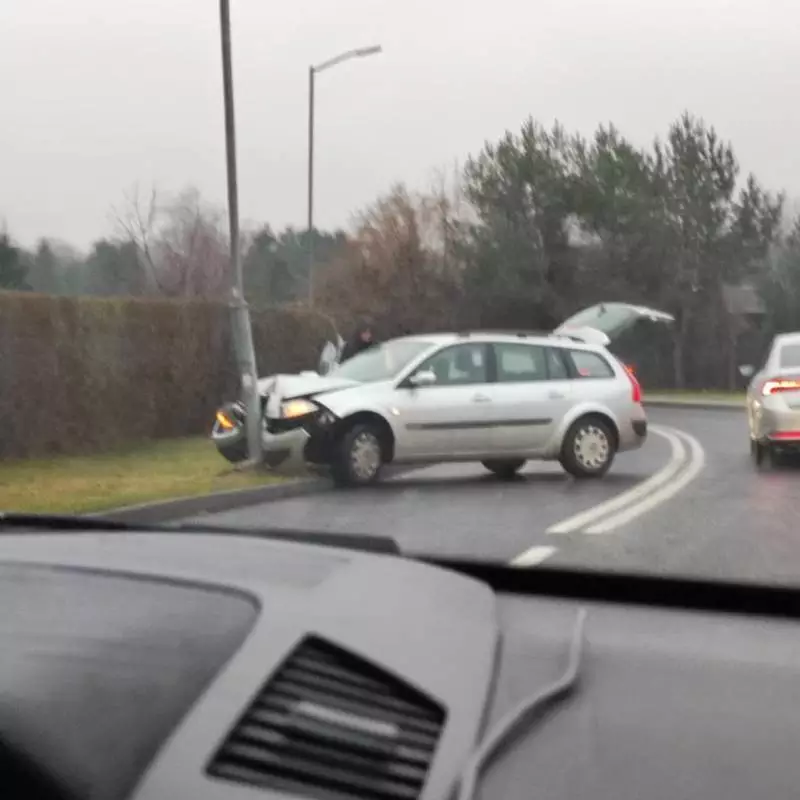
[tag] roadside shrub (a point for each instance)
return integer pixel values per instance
(86, 374)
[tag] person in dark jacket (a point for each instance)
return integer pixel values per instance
(361, 340)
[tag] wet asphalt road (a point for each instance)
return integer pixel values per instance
(730, 521)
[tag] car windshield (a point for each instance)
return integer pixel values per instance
(168, 278)
(382, 361)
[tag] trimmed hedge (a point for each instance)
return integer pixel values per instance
(86, 374)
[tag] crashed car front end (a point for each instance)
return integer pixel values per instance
(290, 414)
(281, 448)
(294, 432)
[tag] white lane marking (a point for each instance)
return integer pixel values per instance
(636, 493)
(696, 463)
(533, 556)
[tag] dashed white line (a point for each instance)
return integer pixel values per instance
(533, 556)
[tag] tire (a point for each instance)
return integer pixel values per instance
(757, 452)
(505, 469)
(234, 453)
(777, 458)
(588, 449)
(359, 456)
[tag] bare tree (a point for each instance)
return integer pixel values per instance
(179, 240)
(393, 269)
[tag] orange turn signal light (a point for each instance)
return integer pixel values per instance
(225, 421)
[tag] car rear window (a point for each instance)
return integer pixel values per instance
(590, 365)
(790, 356)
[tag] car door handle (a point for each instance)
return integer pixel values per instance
(556, 395)
(480, 398)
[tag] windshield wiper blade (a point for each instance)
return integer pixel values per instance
(76, 523)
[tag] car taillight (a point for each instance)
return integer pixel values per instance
(636, 387)
(778, 385)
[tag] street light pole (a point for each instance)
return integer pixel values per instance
(310, 216)
(361, 52)
(240, 315)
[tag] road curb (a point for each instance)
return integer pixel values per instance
(182, 507)
(702, 405)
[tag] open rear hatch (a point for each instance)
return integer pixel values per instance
(609, 319)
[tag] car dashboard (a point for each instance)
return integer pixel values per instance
(168, 665)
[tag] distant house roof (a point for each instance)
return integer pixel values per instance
(743, 300)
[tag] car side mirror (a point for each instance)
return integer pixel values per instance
(747, 370)
(425, 377)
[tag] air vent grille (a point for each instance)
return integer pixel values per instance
(330, 725)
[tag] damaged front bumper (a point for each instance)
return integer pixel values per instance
(288, 446)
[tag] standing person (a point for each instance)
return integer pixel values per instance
(362, 339)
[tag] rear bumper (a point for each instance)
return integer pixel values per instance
(633, 432)
(778, 426)
(788, 442)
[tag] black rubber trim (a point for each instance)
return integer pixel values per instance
(471, 425)
(632, 588)
(640, 427)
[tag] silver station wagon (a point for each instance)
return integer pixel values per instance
(497, 398)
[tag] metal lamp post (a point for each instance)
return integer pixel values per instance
(240, 315)
(361, 52)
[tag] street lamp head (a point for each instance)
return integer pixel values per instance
(361, 52)
(369, 51)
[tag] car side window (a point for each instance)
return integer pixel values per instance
(590, 365)
(517, 363)
(460, 365)
(556, 365)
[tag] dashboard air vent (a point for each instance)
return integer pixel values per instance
(330, 725)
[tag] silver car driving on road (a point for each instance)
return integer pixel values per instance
(773, 400)
(497, 398)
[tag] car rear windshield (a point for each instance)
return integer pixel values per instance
(590, 365)
(790, 356)
(605, 317)
(383, 361)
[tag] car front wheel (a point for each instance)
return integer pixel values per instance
(359, 457)
(588, 449)
(505, 469)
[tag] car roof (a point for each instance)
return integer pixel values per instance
(787, 338)
(531, 337)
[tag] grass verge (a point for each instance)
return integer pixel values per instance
(147, 473)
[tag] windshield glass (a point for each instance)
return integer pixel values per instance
(790, 356)
(381, 362)
(409, 193)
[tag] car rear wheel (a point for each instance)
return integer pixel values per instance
(588, 449)
(505, 469)
(757, 452)
(359, 456)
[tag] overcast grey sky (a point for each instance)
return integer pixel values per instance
(97, 95)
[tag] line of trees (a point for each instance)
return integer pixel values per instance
(534, 226)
